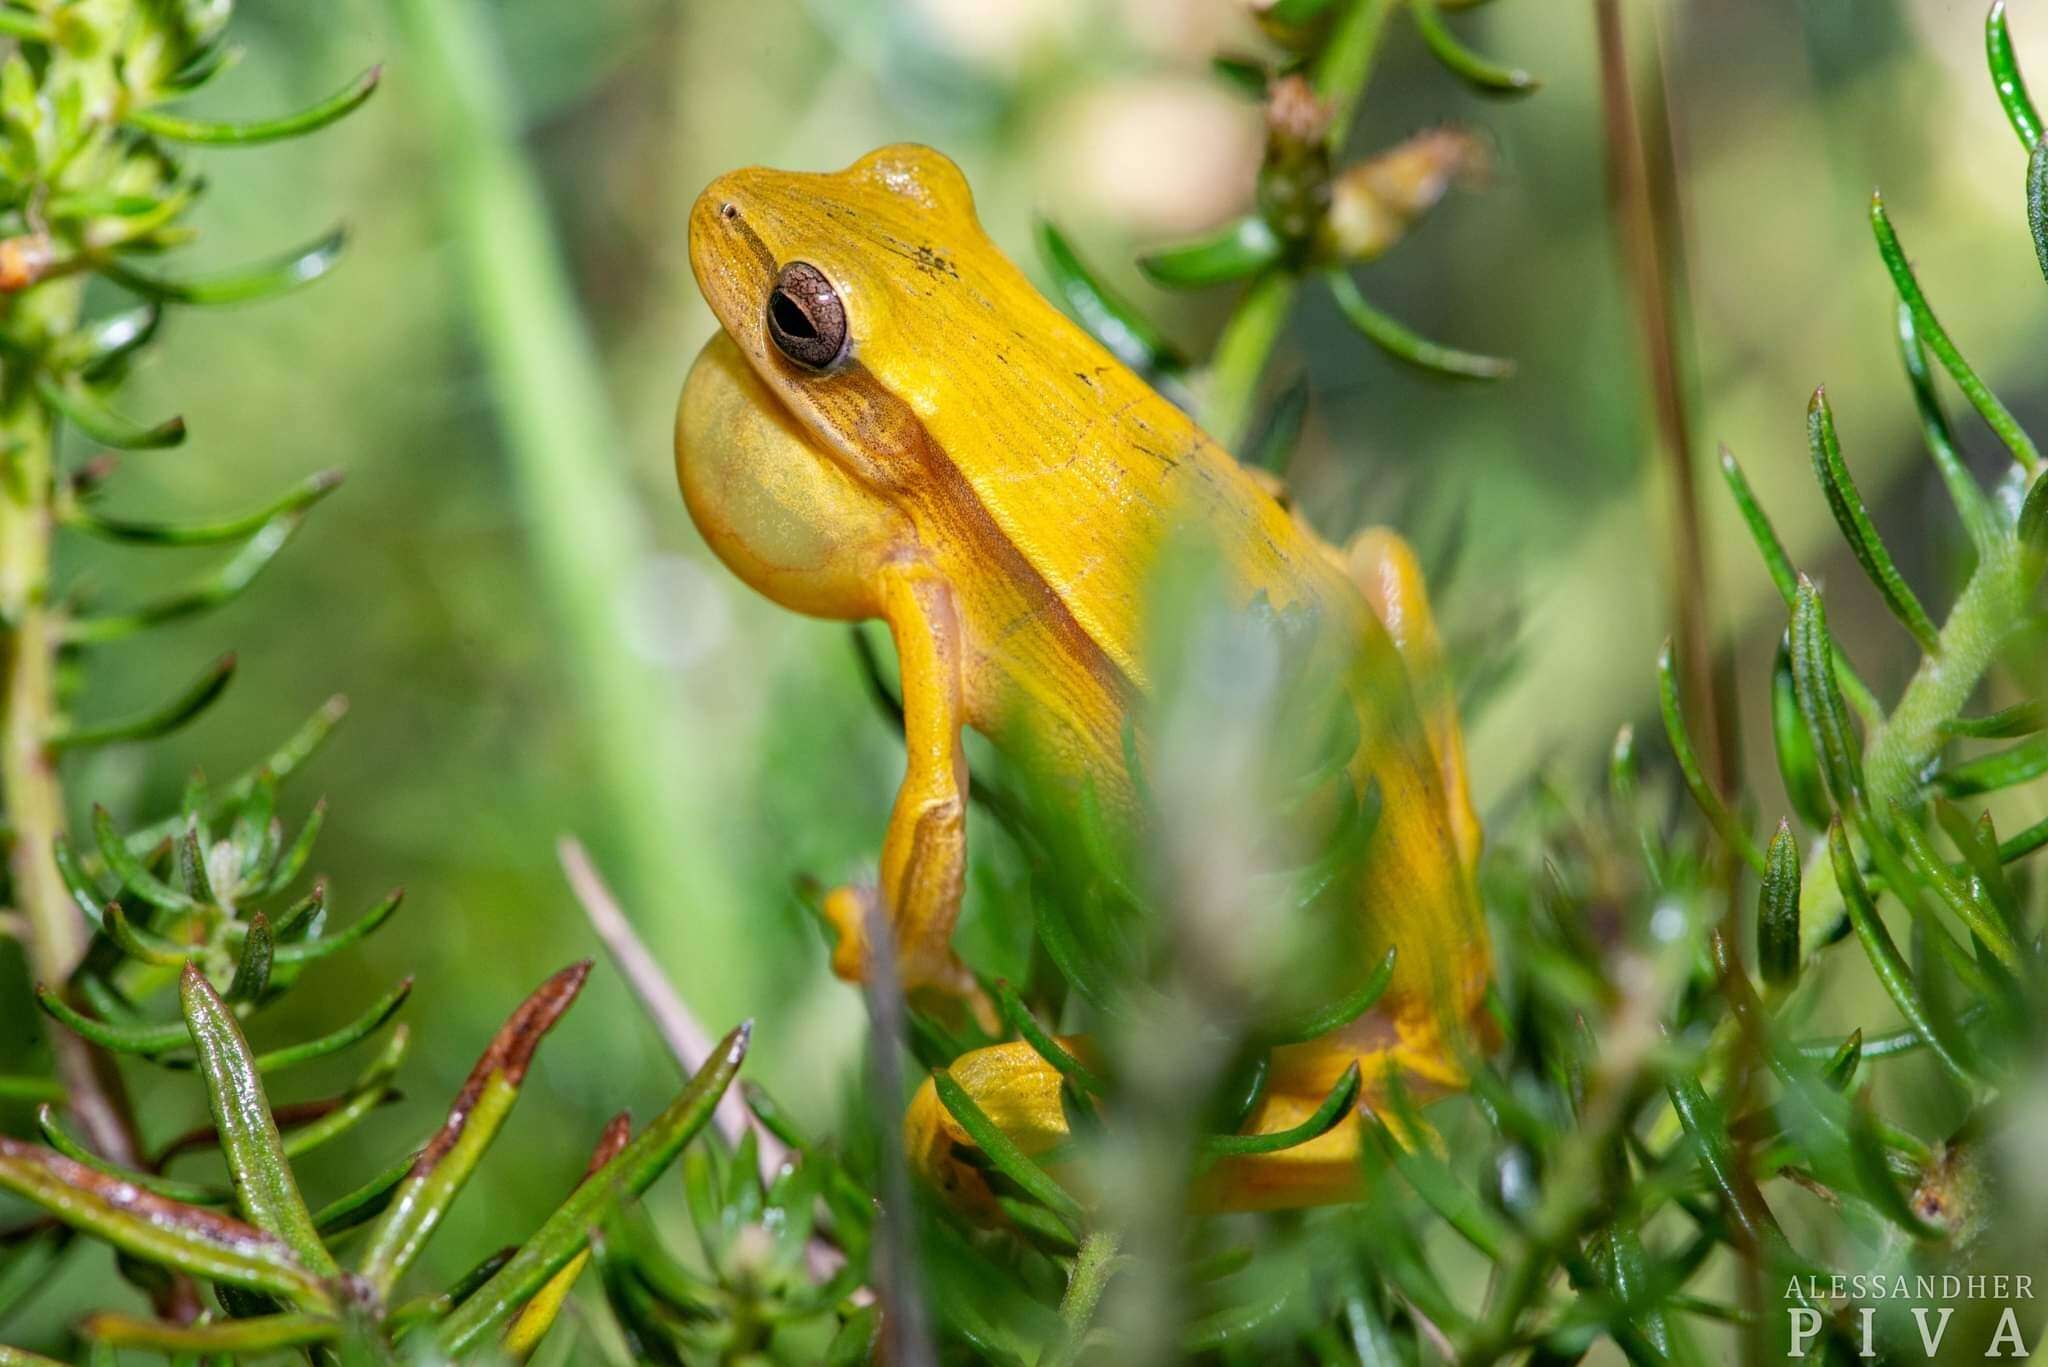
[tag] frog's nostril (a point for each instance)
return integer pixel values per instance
(728, 210)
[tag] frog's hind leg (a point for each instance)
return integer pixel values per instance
(924, 854)
(1020, 1092)
(1383, 566)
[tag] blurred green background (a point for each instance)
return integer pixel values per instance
(710, 747)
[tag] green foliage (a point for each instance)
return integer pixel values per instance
(1652, 1118)
(1315, 219)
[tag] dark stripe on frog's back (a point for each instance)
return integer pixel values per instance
(942, 495)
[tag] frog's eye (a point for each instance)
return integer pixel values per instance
(806, 317)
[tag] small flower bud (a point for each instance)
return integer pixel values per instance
(1376, 201)
(1294, 182)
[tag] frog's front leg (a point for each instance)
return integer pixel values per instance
(924, 855)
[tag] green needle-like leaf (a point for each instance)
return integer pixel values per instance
(189, 851)
(120, 1038)
(133, 874)
(101, 423)
(1820, 699)
(1776, 561)
(1740, 1199)
(444, 1166)
(2037, 203)
(2006, 78)
(221, 586)
(146, 946)
(1710, 802)
(366, 1094)
(1293, 13)
(1978, 841)
(1995, 414)
(336, 106)
(262, 281)
(1031, 1032)
(287, 759)
(2021, 719)
(1003, 1153)
(265, 1189)
(1954, 893)
(85, 891)
(191, 1193)
(1325, 1118)
(567, 1232)
(1885, 959)
(305, 951)
(1461, 61)
(158, 721)
(1235, 252)
(1248, 75)
(356, 1031)
(1111, 320)
(1798, 766)
(297, 499)
(1402, 344)
(364, 1203)
(264, 1334)
(252, 970)
(2031, 528)
(1337, 1014)
(1974, 510)
(280, 872)
(1840, 1069)
(106, 344)
(193, 1239)
(2007, 768)
(1777, 912)
(533, 1320)
(1854, 519)
(1439, 1187)
(1875, 1182)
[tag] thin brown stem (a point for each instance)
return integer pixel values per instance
(1652, 246)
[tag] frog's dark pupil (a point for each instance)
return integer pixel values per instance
(790, 318)
(806, 319)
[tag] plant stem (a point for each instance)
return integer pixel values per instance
(1984, 615)
(1094, 1265)
(29, 781)
(1345, 64)
(1652, 252)
(1341, 71)
(1241, 354)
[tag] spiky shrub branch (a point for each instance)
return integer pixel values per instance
(94, 182)
(204, 904)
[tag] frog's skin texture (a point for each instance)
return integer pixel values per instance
(980, 474)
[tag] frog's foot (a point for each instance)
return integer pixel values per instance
(1018, 1090)
(945, 989)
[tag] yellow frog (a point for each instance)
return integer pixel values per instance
(892, 423)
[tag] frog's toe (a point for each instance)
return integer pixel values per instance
(1015, 1088)
(847, 909)
(946, 988)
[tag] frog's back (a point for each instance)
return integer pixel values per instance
(1083, 471)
